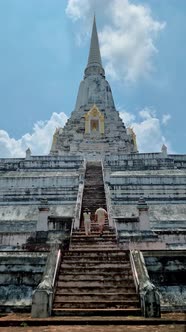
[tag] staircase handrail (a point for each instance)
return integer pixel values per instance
(148, 293)
(58, 260)
(134, 272)
(77, 214)
(72, 227)
(42, 297)
(112, 221)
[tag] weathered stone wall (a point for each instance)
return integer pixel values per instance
(13, 240)
(20, 273)
(41, 163)
(167, 270)
(173, 238)
(161, 215)
(161, 180)
(25, 183)
(27, 215)
(144, 161)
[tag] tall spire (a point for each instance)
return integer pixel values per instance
(94, 65)
(94, 53)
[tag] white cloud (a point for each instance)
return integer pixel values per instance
(147, 126)
(77, 9)
(166, 118)
(148, 130)
(127, 117)
(39, 140)
(127, 40)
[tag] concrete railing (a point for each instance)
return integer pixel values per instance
(149, 296)
(43, 295)
(134, 272)
(112, 222)
(77, 214)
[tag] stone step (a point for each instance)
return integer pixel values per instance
(99, 199)
(97, 312)
(96, 181)
(99, 202)
(95, 260)
(96, 247)
(95, 304)
(94, 184)
(105, 237)
(95, 177)
(112, 278)
(92, 253)
(92, 247)
(93, 269)
(90, 185)
(95, 265)
(95, 228)
(92, 244)
(93, 222)
(76, 248)
(94, 232)
(81, 287)
(92, 191)
(88, 239)
(99, 242)
(96, 235)
(94, 205)
(60, 296)
(93, 195)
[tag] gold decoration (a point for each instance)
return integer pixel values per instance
(94, 114)
(55, 136)
(133, 135)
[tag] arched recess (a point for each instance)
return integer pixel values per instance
(94, 121)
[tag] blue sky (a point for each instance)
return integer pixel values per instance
(44, 46)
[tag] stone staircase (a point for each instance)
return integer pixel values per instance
(94, 193)
(95, 276)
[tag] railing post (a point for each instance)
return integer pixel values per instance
(111, 220)
(42, 298)
(77, 214)
(149, 296)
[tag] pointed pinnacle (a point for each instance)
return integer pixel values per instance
(94, 53)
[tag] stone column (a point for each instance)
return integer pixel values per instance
(144, 224)
(42, 223)
(28, 153)
(81, 174)
(106, 171)
(164, 151)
